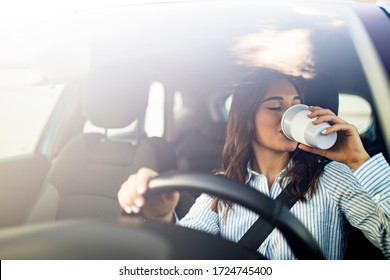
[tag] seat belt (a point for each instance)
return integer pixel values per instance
(259, 231)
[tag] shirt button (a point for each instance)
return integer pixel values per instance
(377, 197)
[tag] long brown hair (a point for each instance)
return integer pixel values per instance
(305, 168)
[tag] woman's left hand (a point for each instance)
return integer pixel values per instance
(348, 148)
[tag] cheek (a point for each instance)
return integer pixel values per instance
(266, 122)
(264, 128)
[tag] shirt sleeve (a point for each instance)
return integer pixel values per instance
(201, 217)
(374, 177)
(363, 198)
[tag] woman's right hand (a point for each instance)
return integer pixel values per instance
(131, 199)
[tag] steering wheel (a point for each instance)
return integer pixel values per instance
(130, 237)
(298, 237)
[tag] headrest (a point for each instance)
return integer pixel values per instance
(215, 131)
(115, 97)
(319, 91)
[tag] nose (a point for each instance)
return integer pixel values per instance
(285, 108)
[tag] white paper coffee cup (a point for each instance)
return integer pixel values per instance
(297, 126)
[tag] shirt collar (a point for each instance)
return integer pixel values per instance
(252, 172)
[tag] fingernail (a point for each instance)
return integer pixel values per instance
(138, 202)
(141, 189)
(127, 209)
(134, 209)
(324, 131)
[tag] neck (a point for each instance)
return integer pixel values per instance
(269, 163)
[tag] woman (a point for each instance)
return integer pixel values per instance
(345, 183)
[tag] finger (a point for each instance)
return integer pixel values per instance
(312, 150)
(318, 111)
(136, 199)
(313, 108)
(142, 180)
(346, 127)
(132, 201)
(330, 118)
(132, 184)
(124, 197)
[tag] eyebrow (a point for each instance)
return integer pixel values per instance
(279, 98)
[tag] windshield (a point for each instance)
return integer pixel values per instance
(206, 58)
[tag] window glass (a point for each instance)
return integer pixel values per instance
(355, 110)
(177, 102)
(154, 117)
(228, 103)
(24, 110)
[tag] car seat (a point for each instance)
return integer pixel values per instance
(88, 172)
(199, 150)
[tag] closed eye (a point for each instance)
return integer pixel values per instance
(274, 108)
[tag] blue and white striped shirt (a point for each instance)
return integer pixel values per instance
(362, 197)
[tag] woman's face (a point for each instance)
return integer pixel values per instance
(280, 95)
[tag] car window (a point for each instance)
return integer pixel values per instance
(24, 110)
(355, 110)
(154, 115)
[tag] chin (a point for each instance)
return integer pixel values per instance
(286, 148)
(292, 146)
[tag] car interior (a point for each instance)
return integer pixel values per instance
(83, 181)
(85, 176)
(79, 174)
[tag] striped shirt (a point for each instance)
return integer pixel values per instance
(361, 197)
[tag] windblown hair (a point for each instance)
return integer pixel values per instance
(305, 167)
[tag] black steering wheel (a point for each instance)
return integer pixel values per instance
(134, 238)
(298, 237)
